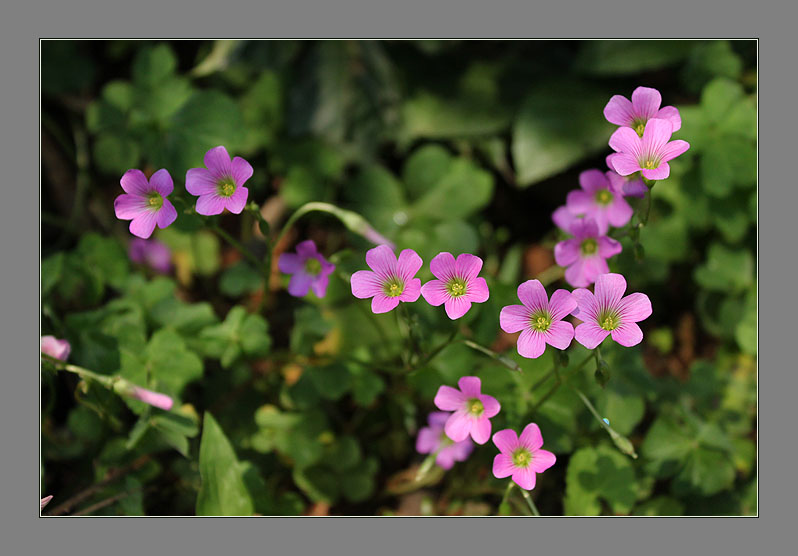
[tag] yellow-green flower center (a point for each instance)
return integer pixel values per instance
(154, 200)
(393, 287)
(456, 287)
(603, 197)
(639, 126)
(312, 266)
(522, 457)
(609, 320)
(540, 321)
(589, 246)
(475, 407)
(226, 187)
(650, 164)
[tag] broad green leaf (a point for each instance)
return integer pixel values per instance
(599, 473)
(239, 279)
(706, 472)
(726, 269)
(661, 505)
(152, 64)
(430, 116)
(463, 190)
(625, 57)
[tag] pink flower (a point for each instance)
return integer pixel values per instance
(631, 185)
(585, 253)
(309, 268)
(154, 399)
(45, 501)
(607, 312)
(221, 185)
(539, 321)
(564, 218)
(472, 410)
(601, 198)
(457, 285)
(54, 348)
(433, 439)
(521, 457)
(643, 107)
(391, 281)
(648, 155)
(144, 202)
(151, 252)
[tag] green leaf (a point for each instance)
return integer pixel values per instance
(153, 64)
(726, 269)
(436, 117)
(366, 386)
(719, 97)
(463, 190)
(706, 472)
(711, 59)
(318, 483)
(105, 257)
(558, 126)
(599, 473)
(667, 440)
(239, 279)
(51, 270)
(425, 168)
(222, 490)
(625, 57)
(379, 197)
(746, 331)
(343, 454)
(661, 505)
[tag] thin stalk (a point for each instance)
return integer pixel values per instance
(507, 362)
(530, 503)
(506, 494)
(243, 250)
(620, 441)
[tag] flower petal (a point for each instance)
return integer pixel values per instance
(162, 182)
(382, 260)
(578, 274)
(468, 266)
(437, 419)
(531, 344)
(381, 303)
(619, 212)
(128, 207)
(217, 160)
(525, 478)
(506, 441)
(365, 283)
(134, 182)
(625, 140)
(646, 102)
(144, 224)
(634, 188)
(449, 399)
(619, 111)
(625, 163)
(533, 295)
(671, 114)
(456, 307)
(609, 290)
(458, 426)
(562, 304)
(559, 334)
(319, 285)
(594, 267)
(593, 180)
(634, 307)
(563, 218)
(238, 200)
(661, 172)
(590, 334)
(408, 264)
(412, 291)
(656, 136)
(480, 430)
(241, 170)
(542, 460)
(307, 249)
(531, 438)
(427, 440)
(445, 458)
(200, 181)
(166, 215)
(514, 318)
(470, 386)
(490, 404)
(608, 247)
(477, 290)
(299, 286)
(567, 251)
(290, 263)
(673, 149)
(580, 202)
(628, 334)
(503, 466)
(443, 266)
(210, 205)
(586, 303)
(435, 293)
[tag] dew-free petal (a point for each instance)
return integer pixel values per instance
(531, 344)
(514, 318)
(531, 438)
(628, 334)
(542, 460)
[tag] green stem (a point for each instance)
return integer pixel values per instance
(530, 503)
(561, 379)
(506, 496)
(431, 355)
(506, 361)
(243, 250)
(623, 443)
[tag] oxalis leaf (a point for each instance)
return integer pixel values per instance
(222, 490)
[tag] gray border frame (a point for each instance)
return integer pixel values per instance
(24, 533)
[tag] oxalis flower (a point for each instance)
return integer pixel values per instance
(472, 410)
(600, 198)
(648, 155)
(390, 280)
(521, 457)
(586, 253)
(309, 268)
(457, 284)
(433, 439)
(644, 106)
(607, 313)
(221, 185)
(151, 252)
(54, 347)
(144, 202)
(538, 319)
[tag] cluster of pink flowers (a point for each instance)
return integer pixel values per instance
(642, 148)
(391, 280)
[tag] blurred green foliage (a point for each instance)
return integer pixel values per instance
(289, 406)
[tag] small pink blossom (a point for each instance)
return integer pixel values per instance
(45, 501)
(54, 347)
(433, 439)
(144, 202)
(457, 284)
(601, 198)
(472, 410)
(521, 457)
(309, 268)
(564, 218)
(221, 185)
(538, 319)
(151, 252)
(648, 155)
(586, 253)
(155, 399)
(607, 313)
(644, 106)
(390, 280)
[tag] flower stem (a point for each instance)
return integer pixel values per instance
(622, 443)
(506, 361)
(560, 379)
(506, 496)
(530, 503)
(244, 251)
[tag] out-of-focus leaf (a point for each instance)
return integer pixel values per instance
(628, 57)
(595, 473)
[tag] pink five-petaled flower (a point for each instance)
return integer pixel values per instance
(309, 268)
(54, 347)
(151, 252)
(144, 202)
(600, 198)
(457, 284)
(585, 253)
(648, 155)
(607, 312)
(472, 410)
(389, 281)
(644, 106)
(521, 457)
(221, 185)
(432, 439)
(538, 319)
